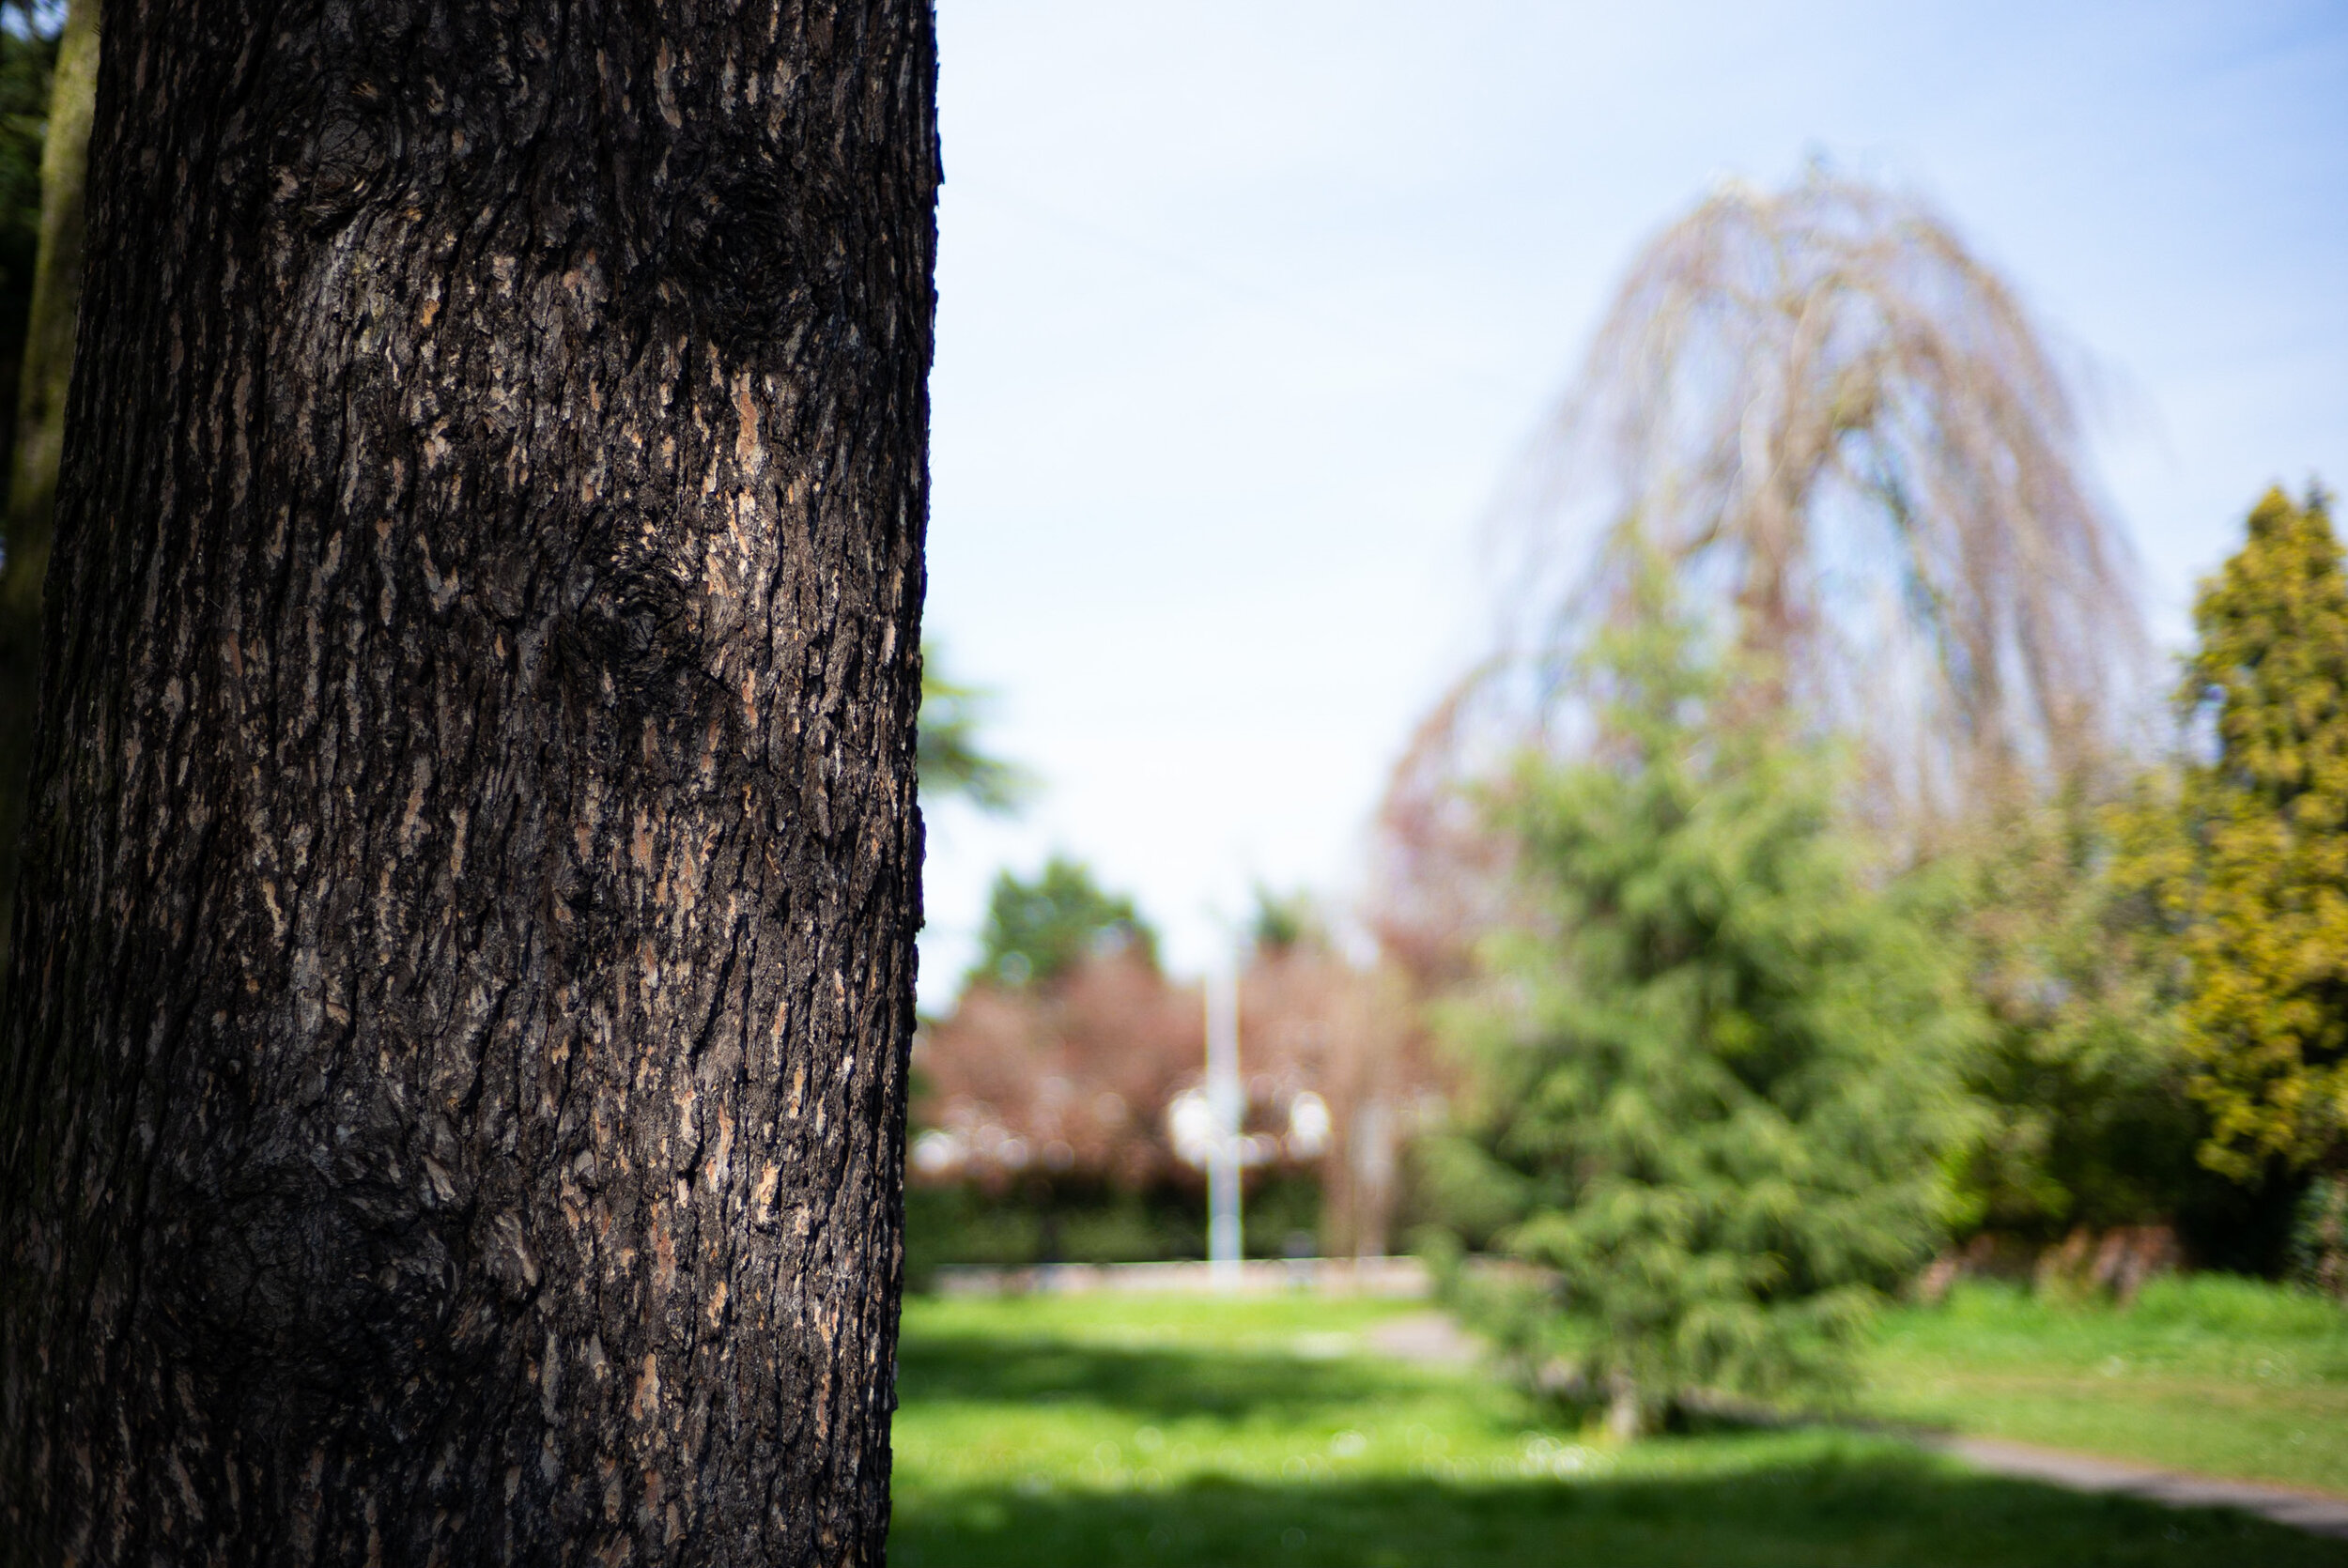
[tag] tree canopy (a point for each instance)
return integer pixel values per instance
(1842, 428)
(1853, 450)
(1037, 931)
(1283, 921)
(2079, 1073)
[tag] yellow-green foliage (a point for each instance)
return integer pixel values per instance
(2251, 860)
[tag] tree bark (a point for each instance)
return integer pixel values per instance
(452, 1101)
(48, 370)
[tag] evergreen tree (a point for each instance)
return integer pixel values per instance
(1713, 1083)
(2251, 860)
(1036, 931)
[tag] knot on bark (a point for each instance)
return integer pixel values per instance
(336, 149)
(632, 639)
(746, 246)
(317, 1278)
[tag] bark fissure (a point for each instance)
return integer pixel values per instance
(452, 1108)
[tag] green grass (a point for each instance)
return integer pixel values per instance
(2219, 1375)
(1109, 1430)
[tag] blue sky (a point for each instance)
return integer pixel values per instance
(1246, 309)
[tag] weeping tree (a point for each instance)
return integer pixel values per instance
(1846, 433)
(1848, 441)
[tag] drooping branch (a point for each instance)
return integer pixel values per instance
(1855, 455)
(1844, 433)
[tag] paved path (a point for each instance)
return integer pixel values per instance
(1434, 1338)
(1400, 1278)
(2081, 1473)
(1428, 1337)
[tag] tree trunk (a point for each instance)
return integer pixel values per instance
(452, 1103)
(40, 421)
(1630, 1414)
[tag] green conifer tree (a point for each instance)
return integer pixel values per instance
(2251, 861)
(1713, 1066)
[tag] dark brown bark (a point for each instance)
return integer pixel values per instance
(450, 1106)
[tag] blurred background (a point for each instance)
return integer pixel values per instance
(1670, 688)
(1305, 373)
(1719, 630)
(1718, 627)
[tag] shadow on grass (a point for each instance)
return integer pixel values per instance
(1149, 1382)
(1880, 1514)
(1726, 1496)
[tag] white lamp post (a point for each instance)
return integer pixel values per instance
(1204, 1123)
(1229, 1102)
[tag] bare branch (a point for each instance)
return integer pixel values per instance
(1848, 440)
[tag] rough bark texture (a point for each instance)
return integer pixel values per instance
(48, 370)
(451, 1108)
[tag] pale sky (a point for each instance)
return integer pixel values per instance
(1246, 309)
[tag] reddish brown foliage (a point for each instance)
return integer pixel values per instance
(1073, 1078)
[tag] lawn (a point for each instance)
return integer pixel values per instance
(2213, 1374)
(1109, 1430)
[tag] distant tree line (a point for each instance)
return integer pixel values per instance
(1041, 1101)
